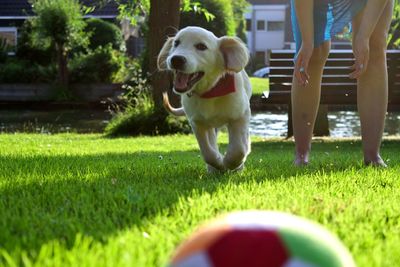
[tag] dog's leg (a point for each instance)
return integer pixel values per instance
(239, 143)
(206, 139)
(212, 139)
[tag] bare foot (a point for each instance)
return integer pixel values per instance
(301, 160)
(376, 162)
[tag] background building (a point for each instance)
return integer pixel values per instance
(269, 27)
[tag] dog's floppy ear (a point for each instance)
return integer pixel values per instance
(162, 56)
(235, 53)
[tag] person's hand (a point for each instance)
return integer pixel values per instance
(361, 54)
(301, 65)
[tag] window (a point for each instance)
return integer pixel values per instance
(9, 35)
(276, 26)
(248, 25)
(260, 25)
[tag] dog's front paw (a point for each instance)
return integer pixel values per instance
(234, 161)
(239, 169)
(213, 170)
(214, 161)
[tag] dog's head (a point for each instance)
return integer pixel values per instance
(198, 58)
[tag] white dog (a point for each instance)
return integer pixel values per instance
(215, 91)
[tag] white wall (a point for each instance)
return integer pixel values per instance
(263, 40)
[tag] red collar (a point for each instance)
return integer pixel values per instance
(224, 86)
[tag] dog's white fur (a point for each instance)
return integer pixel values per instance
(223, 55)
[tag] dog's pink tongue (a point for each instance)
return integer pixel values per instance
(181, 80)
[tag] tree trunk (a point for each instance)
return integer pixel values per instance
(62, 66)
(163, 22)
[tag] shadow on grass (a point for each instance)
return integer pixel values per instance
(56, 197)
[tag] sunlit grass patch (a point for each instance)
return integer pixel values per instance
(259, 85)
(86, 200)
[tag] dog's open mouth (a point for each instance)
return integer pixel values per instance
(184, 81)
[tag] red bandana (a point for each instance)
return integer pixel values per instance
(225, 86)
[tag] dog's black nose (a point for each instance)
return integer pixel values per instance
(178, 62)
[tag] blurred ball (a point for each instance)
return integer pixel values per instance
(262, 238)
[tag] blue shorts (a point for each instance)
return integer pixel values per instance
(330, 18)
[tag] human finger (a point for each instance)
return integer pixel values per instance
(298, 69)
(302, 68)
(365, 65)
(305, 73)
(357, 67)
(356, 73)
(361, 62)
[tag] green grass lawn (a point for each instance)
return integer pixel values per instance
(85, 200)
(259, 85)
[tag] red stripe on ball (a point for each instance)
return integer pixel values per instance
(248, 248)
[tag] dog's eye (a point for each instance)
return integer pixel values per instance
(176, 43)
(201, 47)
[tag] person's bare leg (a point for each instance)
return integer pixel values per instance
(372, 89)
(305, 101)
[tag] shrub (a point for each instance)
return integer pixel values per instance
(223, 23)
(27, 50)
(239, 9)
(137, 115)
(60, 23)
(23, 71)
(145, 121)
(394, 33)
(103, 33)
(3, 50)
(98, 66)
